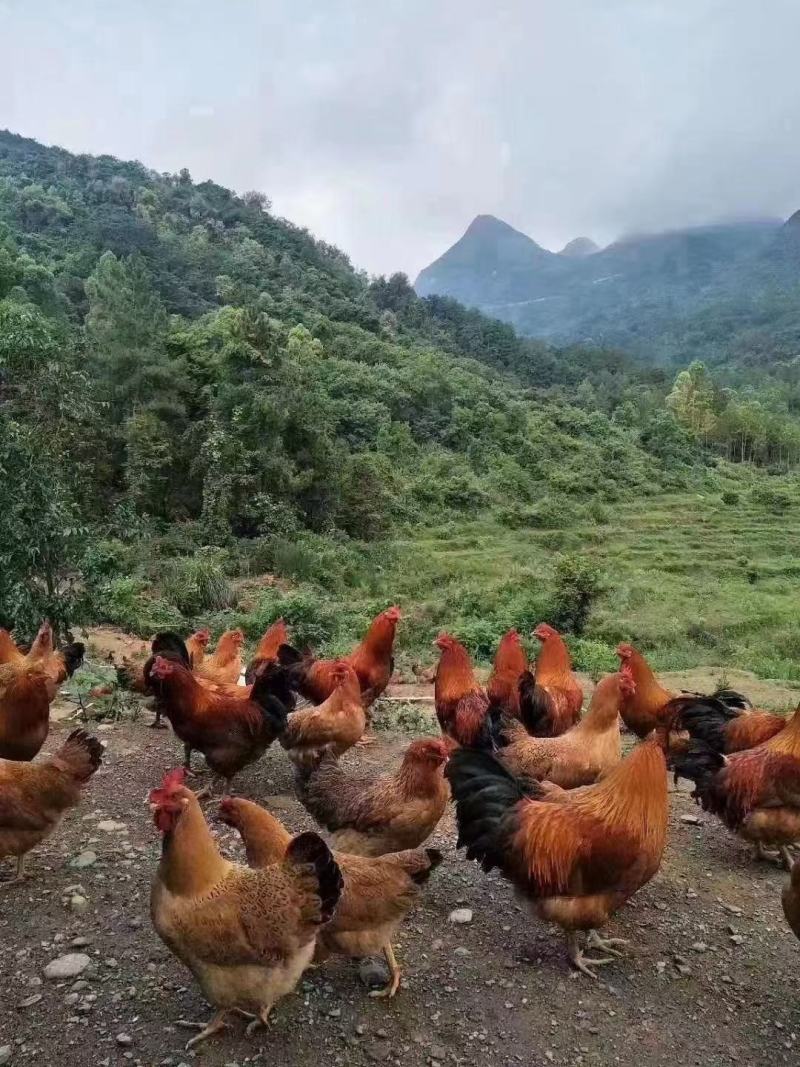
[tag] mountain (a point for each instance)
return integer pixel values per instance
(658, 295)
(580, 246)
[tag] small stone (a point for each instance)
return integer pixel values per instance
(335, 1013)
(461, 951)
(80, 942)
(737, 939)
(78, 903)
(361, 1029)
(108, 826)
(684, 969)
(700, 946)
(111, 963)
(28, 1002)
(5, 1054)
(68, 966)
(124, 1039)
(461, 916)
(84, 859)
(692, 820)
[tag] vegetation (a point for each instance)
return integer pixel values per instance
(195, 394)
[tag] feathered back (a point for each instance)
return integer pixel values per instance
(80, 755)
(309, 853)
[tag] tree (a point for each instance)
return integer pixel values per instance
(692, 399)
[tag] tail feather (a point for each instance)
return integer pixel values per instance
(535, 706)
(700, 764)
(732, 699)
(81, 753)
(705, 718)
(73, 654)
(273, 693)
(170, 645)
(310, 850)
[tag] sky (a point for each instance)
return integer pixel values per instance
(385, 126)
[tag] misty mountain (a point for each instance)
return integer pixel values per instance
(708, 291)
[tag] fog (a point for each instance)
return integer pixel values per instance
(386, 127)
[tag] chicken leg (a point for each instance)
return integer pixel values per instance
(206, 1029)
(394, 974)
(262, 1019)
(581, 962)
(605, 944)
(19, 876)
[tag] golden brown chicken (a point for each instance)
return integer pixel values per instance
(577, 855)
(510, 662)
(24, 711)
(756, 793)
(246, 935)
(378, 892)
(369, 815)
(35, 796)
(267, 649)
(725, 720)
(224, 665)
(461, 701)
(330, 728)
(56, 664)
(580, 756)
(550, 697)
(646, 708)
(196, 645)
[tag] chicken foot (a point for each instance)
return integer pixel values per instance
(262, 1019)
(605, 944)
(206, 1029)
(581, 962)
(394, 974)
(19, 876)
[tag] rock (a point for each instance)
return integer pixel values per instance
(692, 820)
(108, 826)
(80, 942)
(68, 966)
(373, 973)
(84, 859)
(461, 951)
(5, 1054)
(28, 1002)
(335, 1013)
(78, 904)
(737, 939)
(700, 946)
(461, 916)
(125, 1040)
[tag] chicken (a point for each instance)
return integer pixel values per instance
(229, 732)
(646, 708)
(267, 649)
(580, 756)
(724, 720)
(225, 663)
(510, 662)
(136, 677)
(372, 660)
(246, 935)
(461, 701)
(24, 711)
(369, 815)
(577, 855)
(790, 899)
(196, 645)
(756, 793)
(331, 727)
(56, 664)
(378, 892)
(34, 796)
(550, 697)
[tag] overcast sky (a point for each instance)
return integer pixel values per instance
(386, 125)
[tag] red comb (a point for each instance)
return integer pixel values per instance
(173, 780)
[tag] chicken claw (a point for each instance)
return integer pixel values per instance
(581, 962)
(605, 944)
(394, 975)
(262, 1019)
(366, 739)
(206, 1030)
(19, 876)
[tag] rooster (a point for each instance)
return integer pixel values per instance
(246, 935)
(461, 701)
(756, 793)
(377, 895)
(372, 660)
(224, 665)
(577, 855)
(724, 720)
(510, 662)
(369, 815)
(550, 697)
(587, 751)
(267, 649)
(331, 727)
(136, 677)
(34, 796)
(228, 731)
(646, 708)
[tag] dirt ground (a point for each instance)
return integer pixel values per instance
(711, 975)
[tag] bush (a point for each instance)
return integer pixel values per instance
(579, 581)
(124, 602)
(594, 657)
(773, 498)
(311, 619)
(730, 497)
(195, 584)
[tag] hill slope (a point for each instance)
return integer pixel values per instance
(665, 296)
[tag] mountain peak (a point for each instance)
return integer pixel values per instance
(579, 246)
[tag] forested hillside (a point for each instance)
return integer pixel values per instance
(193, 391)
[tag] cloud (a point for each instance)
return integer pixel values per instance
(386, 127)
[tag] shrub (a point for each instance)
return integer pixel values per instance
(197, 583)
(594, 657)
(124, 602)
(311, 619)
(579, 581)
(773, 498)
(730, 497)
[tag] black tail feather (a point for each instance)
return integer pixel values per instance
(309, 849)
(705, 718)
(73, 654)
(731, 699)
(273, 693)
(170, 645)
(700, 764)
(534, 707)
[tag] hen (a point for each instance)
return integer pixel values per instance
(246, 935)
(224, 665)
(646, 708)
(228, 731)
(550, 696)
(372, 660)
(267, 649)
(136, 677)
(580, 756)
(56, 664)
(577, 855)
(330, 728)
(24, 711)
(34, 796)
(461, 701)
(510, 662)
(756, 793)
(370, 815)
(378, 892)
